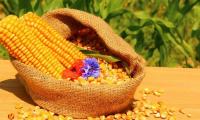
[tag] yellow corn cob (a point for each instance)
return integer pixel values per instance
(27, 48)
(65, 51)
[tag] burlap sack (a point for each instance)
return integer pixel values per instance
(67, 98)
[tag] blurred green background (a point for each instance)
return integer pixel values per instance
(164, 32)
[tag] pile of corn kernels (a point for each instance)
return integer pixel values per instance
(109, 74)
(88, 39)
(142, 109)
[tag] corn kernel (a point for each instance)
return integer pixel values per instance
(189, 115)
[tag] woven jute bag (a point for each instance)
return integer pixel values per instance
(68, 98)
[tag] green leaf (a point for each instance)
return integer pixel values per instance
(11, 6)
(147, 22)
(103, 8)
(188, 49)
(187, 7)
(156, 6)
(96, 6)
(149, 53)
(159, 36)
(164, 22)
(81, 4)
(97, 54)
(115, 6)
(115, 14)
(21, 12)
(37, 7)
(196, 33)
(126, 67)
(52, 4)
(177, 46)
(163, 55)
(140, 42)
(134, 27)
(141, 15)
(24, 7)
(3, 53)
(198, 51)
(172, 9)
(107, 58)
(89, 51)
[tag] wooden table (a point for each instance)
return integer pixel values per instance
(181, 85)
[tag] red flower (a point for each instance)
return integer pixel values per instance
(76, 67)
(69, 74)
(74, 71)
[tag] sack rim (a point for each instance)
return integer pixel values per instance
(136, 79)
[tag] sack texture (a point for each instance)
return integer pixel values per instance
(70, 99)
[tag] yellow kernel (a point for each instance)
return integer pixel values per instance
(102, 117)
(11, 116)
(93, 82)
(144, 96)
(110, 117)
(90, 118)
(189, 115)
(172, 110)
(129, 113)
(164, 115)
(148, 113)
(124, 116)
(118, 116)
(68, 118)
(156, 93)
(119, 70)
(61, 117)
(157, 115)
(182, 111)
(170, 113)
(136, 110)
(18, 106)
(83, 82)
(119, 82)
(171, 118)
(90, 79)
(142, 118)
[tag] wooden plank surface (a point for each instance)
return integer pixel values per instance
(182, 89)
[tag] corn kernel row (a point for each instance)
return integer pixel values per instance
(27, 48)
(65, 51)
(32, 41)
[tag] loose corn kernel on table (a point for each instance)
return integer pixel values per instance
(181, 85)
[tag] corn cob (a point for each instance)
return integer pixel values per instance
(27, 48)
(65, 51)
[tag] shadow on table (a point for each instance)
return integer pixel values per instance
(14, 86)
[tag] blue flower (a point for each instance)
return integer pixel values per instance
(90, 68)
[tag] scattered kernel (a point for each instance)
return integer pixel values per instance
(18, 106)
(189, 115)
(148, 113)
(164, 115)
(147, 91)
(156, 93)
(157, 115)
(182, 111)
(141, 110)
(118, 116)
(11, 116)
(172, 118)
